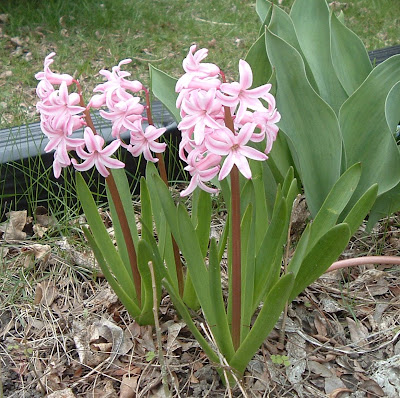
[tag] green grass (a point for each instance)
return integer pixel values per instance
(92, 34)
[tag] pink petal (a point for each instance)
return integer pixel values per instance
(246, 75)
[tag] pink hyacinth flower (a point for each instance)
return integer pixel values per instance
(61, 108)
(240, 93)
(51, 77)
(123, 115)
(226, 143)
(97, 155)
(201, 110)
(202, 168)
(143, 142)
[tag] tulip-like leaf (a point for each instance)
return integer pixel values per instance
(266, 320)
(262, 9)
(320, 257)
(311, 21)
(163, 87)
(349, 56)
(312, 128)
(366, 135)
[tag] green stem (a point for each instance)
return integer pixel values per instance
(121, 216)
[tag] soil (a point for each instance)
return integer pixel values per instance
(63, 332)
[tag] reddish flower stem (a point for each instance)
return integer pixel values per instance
(164, 177)
(236, 246)
(120, 213)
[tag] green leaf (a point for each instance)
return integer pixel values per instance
(257, 58)
(145, 208)
(221, 329)
(385, 205)
(335, 202)
(361, 208)
(184, 313)
(320, 258)
(125, 298)
(269, 257)
(265, 322)
(103, 239)
(201, 217)
(282, 26)
(366, 135)
(312, 23)
(262, 9)
(144, 256)
(349, 56)
(163, 87)
(190, 248)
(312, 128)
(124, 192)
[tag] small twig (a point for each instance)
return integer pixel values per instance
(213, 22)
(224, 363)
(164, 372)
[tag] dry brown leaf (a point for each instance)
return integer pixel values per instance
(38, 251)
(128, 386)
(358, 333)
(338, 392)
(13, 228)
(66, 393)
(46, 292)
(173, 332)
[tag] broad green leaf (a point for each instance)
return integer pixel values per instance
(257, 58)
(312, 127)
(103, 239)
(265, 322)
(312, 23)
(349, 56)
(360, 209)
(221, 329)
(282, 26)
(163, 87)
(125, 298)
(321, 257)
(262, 9)
(366, 135)
(385, 205)
(392, 107)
